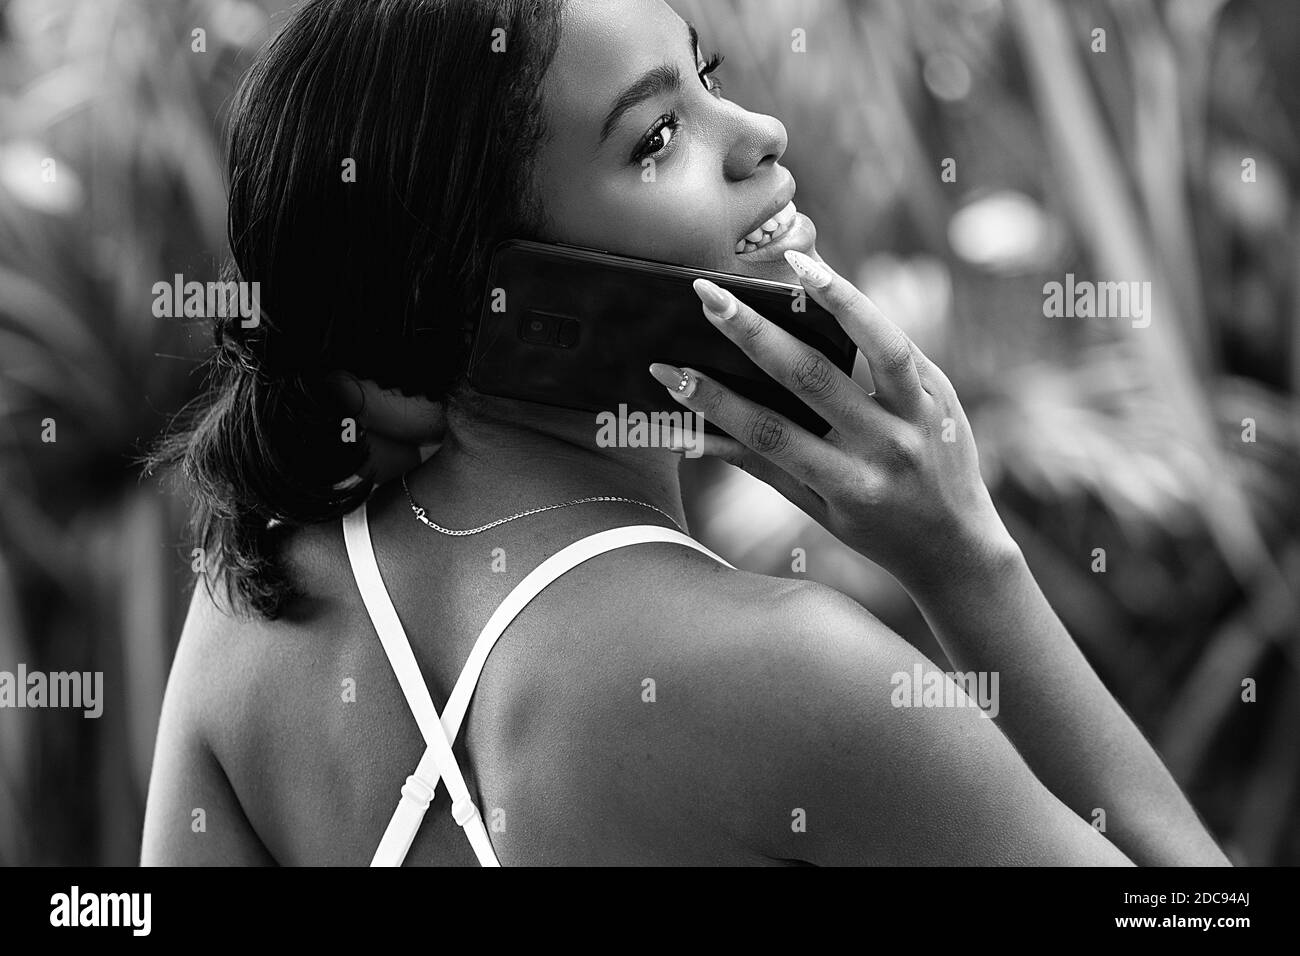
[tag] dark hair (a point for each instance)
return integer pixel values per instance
(437, 102)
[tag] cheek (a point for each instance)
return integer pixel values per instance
(671, 219)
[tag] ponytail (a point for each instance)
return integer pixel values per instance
(258, 453)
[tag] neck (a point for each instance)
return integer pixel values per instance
(500, 457)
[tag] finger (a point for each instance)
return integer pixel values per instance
(933, 379)
(774, 437)
(802, 369)
(888, 351)
(788, 486)
(925, 369)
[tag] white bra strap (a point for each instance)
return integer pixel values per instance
(440, 732)
(420, 787)
(533, 584)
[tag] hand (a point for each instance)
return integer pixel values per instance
(897, 478)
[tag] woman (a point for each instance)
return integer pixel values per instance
(651, 704)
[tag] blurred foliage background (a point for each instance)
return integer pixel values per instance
(1119, 164)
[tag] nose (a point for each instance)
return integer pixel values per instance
(760, 141)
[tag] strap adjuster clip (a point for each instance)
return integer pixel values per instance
(418, 790)
(463, 811)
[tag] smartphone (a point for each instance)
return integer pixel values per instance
(578, 328)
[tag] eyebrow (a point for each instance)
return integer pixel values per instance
(656, 82)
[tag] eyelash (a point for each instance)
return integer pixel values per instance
(714, 61)
(671, 119)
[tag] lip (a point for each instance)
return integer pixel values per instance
(783, 197)
(802, 235)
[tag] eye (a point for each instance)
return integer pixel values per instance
(712, 83)
(658, 137)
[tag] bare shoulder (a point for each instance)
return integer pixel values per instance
(221, 638)
(788, 630)
(752, 697)
(836, 766)
(208, 652)
(229, 663)
(193, 814)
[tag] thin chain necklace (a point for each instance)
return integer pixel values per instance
(422, 516)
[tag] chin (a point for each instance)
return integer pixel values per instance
(773, 271)
(776, 271)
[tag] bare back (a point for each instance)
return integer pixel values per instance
(651, 706)
(578, 741)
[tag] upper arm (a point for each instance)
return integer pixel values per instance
(847, 773)
(192, 815)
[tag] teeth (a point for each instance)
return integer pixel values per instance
(767, 231)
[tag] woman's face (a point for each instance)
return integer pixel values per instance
(682, 174)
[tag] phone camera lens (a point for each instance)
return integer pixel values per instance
(539, 328)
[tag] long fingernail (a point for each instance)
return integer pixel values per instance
(721, 303)
(811, 271)
(678, 382)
